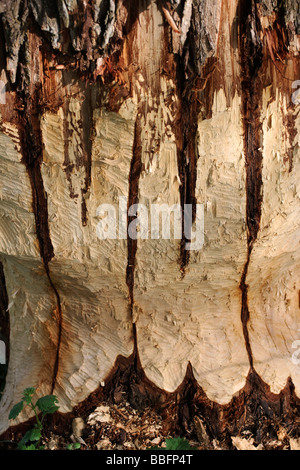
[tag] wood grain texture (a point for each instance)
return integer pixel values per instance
(116, 103)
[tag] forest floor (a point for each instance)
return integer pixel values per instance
(121, 427)
(112, 426)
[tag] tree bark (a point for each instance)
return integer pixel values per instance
(178, 103)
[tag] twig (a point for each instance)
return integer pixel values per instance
(170, 20)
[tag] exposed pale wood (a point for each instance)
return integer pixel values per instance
(274, 268)
(162, 121)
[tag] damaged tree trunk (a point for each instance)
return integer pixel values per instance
(120, 106)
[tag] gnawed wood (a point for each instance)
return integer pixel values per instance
(117, 105)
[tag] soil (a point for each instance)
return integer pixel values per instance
(121, 427)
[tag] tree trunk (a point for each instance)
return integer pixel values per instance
(185, 103)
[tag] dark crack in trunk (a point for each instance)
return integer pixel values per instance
(250, 49)
(133, 197)
(29, 100)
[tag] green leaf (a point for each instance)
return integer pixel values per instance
(47, 404)
(35, 434)
(28, 393)
(25, 439)
(30, 447)
(73, 446)
(177, 443)
(30, 435)
(16, 410)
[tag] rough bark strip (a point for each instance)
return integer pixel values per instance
(194, 66)
(245, 314)
(290, 119)
(188, 169)
(72, 28)
(185, 129)
(87, 130)
(31, 143)
(32, 156)
(134, 176)
(250, 49)
(68, 166)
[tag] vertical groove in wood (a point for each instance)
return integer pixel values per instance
(29, 98)
(250, 49)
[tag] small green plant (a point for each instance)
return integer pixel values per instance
(44, 406)
(175, 443)
(73, 446)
